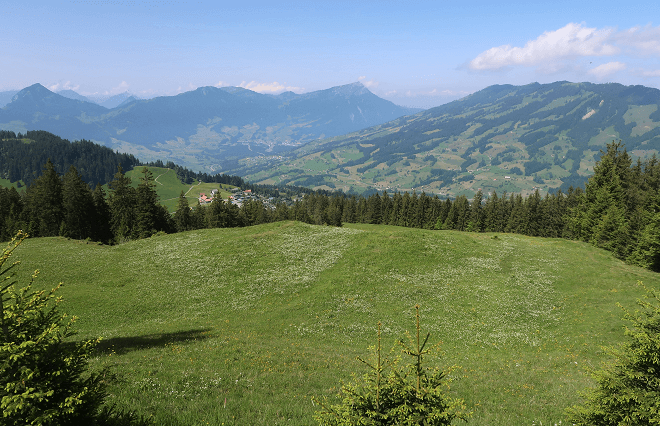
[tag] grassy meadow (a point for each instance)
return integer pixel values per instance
(244, 326)
(169, 187)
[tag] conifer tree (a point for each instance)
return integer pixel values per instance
(44, 211)
(11, 208)
(475, 222)
(458, 214)
(604, 200)
(182, 214)
(373, 210)
(492, 212)
(122, 203)
(216, 216)
(146, 211)
(101, 221)
(335, 211)
(78, 206)
(198, 217)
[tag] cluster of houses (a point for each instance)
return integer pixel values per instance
(238, 197)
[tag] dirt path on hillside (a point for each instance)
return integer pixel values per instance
(156, 180)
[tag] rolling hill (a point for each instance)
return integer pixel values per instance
(244, 326)
(513, 138)
(205, 128)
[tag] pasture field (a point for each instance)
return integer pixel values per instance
(168, 187)
(243, 326)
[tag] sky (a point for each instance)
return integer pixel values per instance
(413, 53)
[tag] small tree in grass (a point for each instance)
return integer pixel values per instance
(628, 390)
(43, 380)
(392, 394)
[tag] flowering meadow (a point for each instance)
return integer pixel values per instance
(244, 326)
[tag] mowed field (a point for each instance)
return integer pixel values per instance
(244, 326)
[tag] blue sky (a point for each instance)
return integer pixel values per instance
(413, 53)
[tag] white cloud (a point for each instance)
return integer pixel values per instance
(273, 87)
(443, 93)
(369, 83)
(604, 70)
(66, 86)
(644, 40)
(390, 93)
(649, 73)
(573, 40)
(189, 88)
(222, 84)
(121, 88)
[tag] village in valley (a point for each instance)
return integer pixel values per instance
(238, 197)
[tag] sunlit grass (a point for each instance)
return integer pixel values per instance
(243, 326)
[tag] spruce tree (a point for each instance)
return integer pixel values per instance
(44, 211)
(78, 206)
(182, 214)
(147, 207)
(122, 203)
(102, 218)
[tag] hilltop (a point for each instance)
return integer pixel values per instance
(502, 138)
(243, 326)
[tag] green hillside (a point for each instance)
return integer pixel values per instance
(169, 186)
(243, 326)
(502, 138)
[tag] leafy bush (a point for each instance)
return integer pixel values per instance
(628, 391)
(392, 394)
(43, 379)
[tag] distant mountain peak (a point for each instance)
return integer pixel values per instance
(37, 90)
(71, 94)
(352, 89)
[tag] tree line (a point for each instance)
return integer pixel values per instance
(619, 210)
(23, 155)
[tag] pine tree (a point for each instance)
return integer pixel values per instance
(476, 220)
(11, 208)
(78, 206)
(122, 203)
(216, 216)
(44, 211)
(199, 217)
(146, 211)
(182, 214)
(458, 213)
(101, 221)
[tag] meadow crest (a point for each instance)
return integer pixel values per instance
(243, 326)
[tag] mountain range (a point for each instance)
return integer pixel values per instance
(502, 138)
(205, 128)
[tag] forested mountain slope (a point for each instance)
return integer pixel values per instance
(22, 157)
(513, 138)
(204, 129)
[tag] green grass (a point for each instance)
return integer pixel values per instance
(169, 187)
(244, 326)
(5, 183)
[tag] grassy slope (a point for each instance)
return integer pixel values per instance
(168, 186)
(243, 326)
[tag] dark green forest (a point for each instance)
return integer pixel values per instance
(619, 209)
(23, 156)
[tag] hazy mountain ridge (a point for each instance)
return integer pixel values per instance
(6, 97)
(205, 127)
(513, 138)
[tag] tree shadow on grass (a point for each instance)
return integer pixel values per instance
(123, 345)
